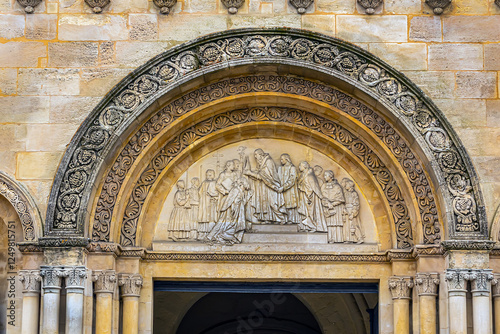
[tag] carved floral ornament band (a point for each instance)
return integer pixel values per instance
(83, 159)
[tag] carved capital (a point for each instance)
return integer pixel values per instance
(75, 278)
(105, 281)
(370, 5)
(51, 278)
(400, 287)
(131, 284)
(457, 279)
(31, 280)
(480, 280)
(438, 5)
(495, 284)
(427, 284)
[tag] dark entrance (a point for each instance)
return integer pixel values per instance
(264, 308)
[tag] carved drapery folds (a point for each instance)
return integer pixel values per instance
(427, 284)
(165, 5)
(301, 5)
(81, 163)
(105, 281)
(131, 284)
(400, 287)
(438, 5)
(370, 5)
(233, 5)
(97, 5)
(31, 280)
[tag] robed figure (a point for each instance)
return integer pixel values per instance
(230, 225)
(209, 197)
(267, 199)
(225, 181)
(179, 228)
(311, 210)
(288, 178)
(333, 204)
(352, 228)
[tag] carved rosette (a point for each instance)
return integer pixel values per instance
(75, 279)
(370, 5)
(438, 5)
(97, 5)
(51, 278)
(165, 5)
(457, 280)
(480, 281)
(29, 5)
(233, 5)
(400, 287)
(105, 281)
(301, 5)
(31, 280)
(427, 284)
(131, 284)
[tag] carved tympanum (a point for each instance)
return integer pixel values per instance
(370, 5)
(301, 5)
(233, 5)
(438, 5)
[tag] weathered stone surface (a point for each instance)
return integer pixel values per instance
(289, 21)
(71, 6)
(49, 137)
(41, 26)
(493, 112)
(489, 167)
(476, 85)
(455, 57)
(71, 109)
(433, 83)
(8, 159)
(202, 6)
(92, 27)
(128, 6)
(12, 137)
(321, 23)
(372, 28)
(409, 56)
(337, 7)
(182, 28)
(403, 6)
(73, 54)
(492, 57)
(97, 82)
(479, 142)
(471, 29)
(24, 109)
(143, 27)
(463, 112)
(38, 81)
(11, 26)
(470, 6)
(8, 81)
(106, 53)
(37, 165)
(425, 28)
(21, 54)
(133, 54)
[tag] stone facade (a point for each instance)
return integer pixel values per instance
(429, 189)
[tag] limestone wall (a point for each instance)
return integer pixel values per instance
(56, 65)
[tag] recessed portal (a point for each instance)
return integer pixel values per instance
(265, 308)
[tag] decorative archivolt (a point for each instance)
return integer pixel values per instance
(23, 204)
(82, 161)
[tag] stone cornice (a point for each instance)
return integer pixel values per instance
(63, 242)
(479, 245)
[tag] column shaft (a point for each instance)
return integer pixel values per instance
(401, 316)
(428, 315)
(51, 298)
(75, 281)
(457, 302)
(496, 301)
(130, 315)
(31, 300)
(481, 304)
(104, 312)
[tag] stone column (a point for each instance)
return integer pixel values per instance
(105, 284)
(400, 287)
(496, 301)
(51, 297)
(131, 286)
(31, 300)
(457, 301)
(75, 284)
(481, 309)
(427, 284)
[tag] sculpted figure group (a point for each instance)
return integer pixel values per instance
(220, 210)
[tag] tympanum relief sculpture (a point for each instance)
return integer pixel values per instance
(235, 192)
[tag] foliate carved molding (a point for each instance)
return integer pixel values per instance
(370, 5)
(400, 287)
(105, 281)
(31, 280)
(83, 159)
(131, 284)
(313, 122)
(427, 284)
(75, 278)
(97, 5)
(29, 5)
(495, 285)
(427, 250)
(398, 255)
(52, 277)
(63, 242)
(457, 279)
(104, 247)
(29, 247)
(395, 143)
(22, 203)
(486, 245)
(480, 280)
(301, 5)
(233, 5)
(165, 5)
(438, 5)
